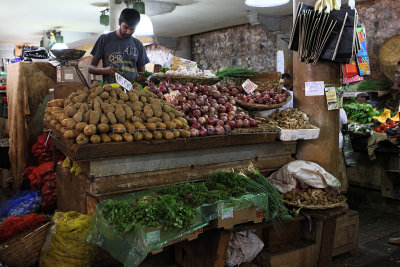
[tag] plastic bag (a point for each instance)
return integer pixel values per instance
(348, 151)
(243, 247)
(307, 172)
(15, 225)
(23, 202)
(65, 241)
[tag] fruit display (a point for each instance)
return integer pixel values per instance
(258, 97)
(313, 197)
(289, 119)
(106, 113)
(207, 110)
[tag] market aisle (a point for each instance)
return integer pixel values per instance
(378, 222)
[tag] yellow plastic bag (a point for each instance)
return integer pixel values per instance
(64, 245)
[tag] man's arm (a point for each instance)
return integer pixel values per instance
(94, 69)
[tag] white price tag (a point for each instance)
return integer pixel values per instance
(171, 96)
(315, 88)
(68, 76)
(249, 86)
(123, 82)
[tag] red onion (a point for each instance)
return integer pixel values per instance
(239, 116)
(195, 88)
(220, 122)
(175, 102)
(186, 117)
(178, 108)
(190, 85)
(191, 96)
(210, 130)
(192, 120)
(194, 132)
(219, 129)
(197, 125)
(202, 120)
(212, 121)
(232, 108)
(246, 117)
(224, 119)
(221, 101)
(204, 109)
(215, 94)
(205, 117)
(211, 110)
(253, 123)
(186, 107)
(232, 124)
(231, 117)
(203, 131)
(194, 107)
(246, 123)
(221, 109)
(239, 123)
(199, 101)
(227, 128)
(177, 86)
(196, 113)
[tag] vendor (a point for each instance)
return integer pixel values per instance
(119, 50)
(342, 164)
(391, 100)
(288, 85)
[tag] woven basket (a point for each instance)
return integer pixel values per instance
(24, 250)
(266, 81)
(186, 79)
(389, 55)
(316, 207)
(252, 106)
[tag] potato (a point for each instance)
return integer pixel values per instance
(133, 97)
(127, 137)
(176, 113)
(165, 117)
(107, 87)
(103, 128)
(157, 135)
(120, 114)
(171, 115)
(148, 136)
(154, 119)
(113, 101)
(157, 110)
(115, 137)
(128, 112)
(138, 136)
(123, 96)
(71, 111)
(117, 128)
(71, 124)
(95, 139)
(77, 105)
(90, 129)
(72, 95)
(151, 126)
(176, 133)
(54, 123)
(148, 111)
(86, 115)
(104, 95)
(120, 102)
(136, 119)
(139, 126)
(103, 119)
(166, 108)
(82, 139)
(94, 85)
(67, 102)
(65, 122)
(80, 98)
(161, 126)
(184, 133)
(70, 134)
(98, 90)
(168, 135)
(130, 127)
(170, 125)
(78, 117)
(94, 117)
(113, 94)
(80, 126)
(182, 120)
(107, 108)
(58, 127)
(111, 118)
(143, 99)
(178, 123)
(186, 127)
(105, 138)
(84, 107)
(118, 90)
(137, 108)
(97, 106)
(138, 103)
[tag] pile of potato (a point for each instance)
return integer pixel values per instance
(105, 114)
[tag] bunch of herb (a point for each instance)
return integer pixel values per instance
(119, 215)
(360, 112)
(233, 72)
(230, 182)
(164, 69)
(146, 74)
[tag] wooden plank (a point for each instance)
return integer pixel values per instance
(346, 236)
(328, 238)
(181, 159)
(223, 242)
(138, 181)
(118, 149)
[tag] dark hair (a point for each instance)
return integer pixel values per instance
(286, 76)
(130, 16)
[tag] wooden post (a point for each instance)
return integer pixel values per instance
(324, 150)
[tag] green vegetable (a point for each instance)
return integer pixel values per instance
(360, 112)
(164, 69)
(233, 72)
(146, 74)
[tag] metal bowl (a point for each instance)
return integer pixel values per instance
(68, 54)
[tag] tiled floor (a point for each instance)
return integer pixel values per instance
(379, 220)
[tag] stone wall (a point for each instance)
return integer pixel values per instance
(243, 46)
(158, 54)
(381, 19)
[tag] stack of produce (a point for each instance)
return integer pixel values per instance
(236, 73)
(313, 197)
(193, 72)
(22, 203)
(205, 108)
(360, 112)
(43, 149)
(105, 114)
(172, 207)
(289, 119)
(383, 126)
(15, 225)
(271, 97)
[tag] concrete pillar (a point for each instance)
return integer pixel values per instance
(115, 11)
(324, 150)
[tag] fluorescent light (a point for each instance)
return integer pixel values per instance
(145, 26)
(265, 3)
(59, 46)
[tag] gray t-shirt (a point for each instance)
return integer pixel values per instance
(123, 54)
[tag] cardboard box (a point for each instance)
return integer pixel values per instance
(230, 219)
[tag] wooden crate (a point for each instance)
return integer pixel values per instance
(346, 236)
(236, 217)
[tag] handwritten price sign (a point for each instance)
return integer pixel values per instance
(249, 86)
(127, 85)
(171, 96)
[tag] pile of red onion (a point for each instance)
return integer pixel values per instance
(265, 98)
(206, 109)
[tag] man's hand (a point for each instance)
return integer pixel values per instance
(110, 71)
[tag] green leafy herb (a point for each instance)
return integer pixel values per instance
(233, 72)
(360, 112)
(146, 74)
(164, 69)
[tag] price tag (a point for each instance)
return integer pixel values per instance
(127, 85)
(227, 213)
(315, 88)
(331, 98)
(171, 96)
(249, 86)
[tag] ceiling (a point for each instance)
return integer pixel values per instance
(23, 21)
